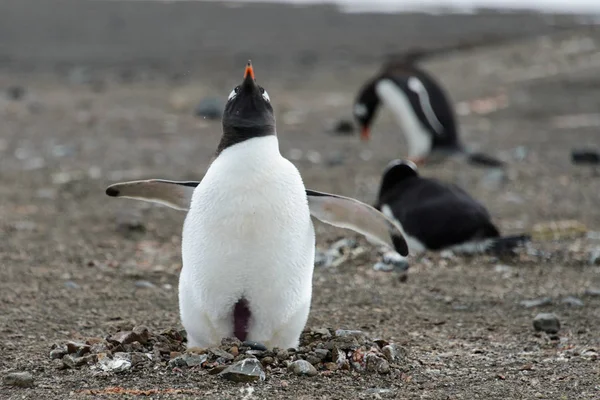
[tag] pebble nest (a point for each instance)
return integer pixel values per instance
(321, 351)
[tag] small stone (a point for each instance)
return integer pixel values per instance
(546, 322)
(353, 333)
(335, 158)
(343, 126)
(302, 367)
(71, 285)
(101, 347)
(79, 349)
(234, 351)
(209, 108)
(343, 245)
(341, 360)
(119, 363)
(144, 284)
(19, 379)
(188, 360)
(324, 258)
(124, 337)
(394, 353)
(283, 355)
(322, 354)
(323, 333)
(374, 363)
(494, 179)
(572, 301)
(595, 257)
(246, 370)
(255, 345)
(331, 366)
(267, 361)
(256, 353)
(71, 361)
(592, 292)
(544, 301)
(377, 392)
(143, 333)
(219, 353)
(58, 353)
(15, 92)
(314, 156)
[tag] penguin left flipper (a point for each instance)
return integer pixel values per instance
(174, 194)
(345, 212)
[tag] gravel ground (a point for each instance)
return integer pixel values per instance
(77, 266)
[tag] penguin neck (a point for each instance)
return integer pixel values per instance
(233, 135)
(419, 140)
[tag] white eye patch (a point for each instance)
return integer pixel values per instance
(232, 94)
(265, 96)
(360, 110)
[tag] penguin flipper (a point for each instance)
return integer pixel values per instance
(174, 194)
(345, 212)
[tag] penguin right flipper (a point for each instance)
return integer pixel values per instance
(174, 194)
(345, 212)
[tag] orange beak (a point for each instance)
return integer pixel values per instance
(365, 134)
(249, 70)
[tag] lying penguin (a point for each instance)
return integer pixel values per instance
(248, 242)
(435, 216)
(422, 109)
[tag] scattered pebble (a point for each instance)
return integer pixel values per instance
(592, 292)
(594, 257)
(19, 379)
(335, 158)
(494, 179)
(572, 301)
(544, 301)
(546, 322)
(188, 360)
(144, 284)
(320, 350)
(210, 108)
(314, 156)
(119, 363)
(72, 285)
(303, 367)
(343, 127)
(15, 92)
(246, 370)
(295, 154)
(394, 353)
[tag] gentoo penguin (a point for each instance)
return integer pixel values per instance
(434, 215)
(248, 242)
(422, 109)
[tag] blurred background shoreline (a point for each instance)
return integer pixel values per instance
(196, 38)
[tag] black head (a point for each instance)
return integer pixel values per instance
(365, 107)
(395, 172)
(248, 112)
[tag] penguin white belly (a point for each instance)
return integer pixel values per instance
(419, 140)
(248, 236)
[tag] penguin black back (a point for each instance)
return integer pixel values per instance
(248, 112)
(437, 214)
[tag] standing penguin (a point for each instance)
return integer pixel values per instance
(248, 242)
(434, 215)
(422, 109)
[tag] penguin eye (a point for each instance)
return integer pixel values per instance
(233, 93)
(265, 95)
